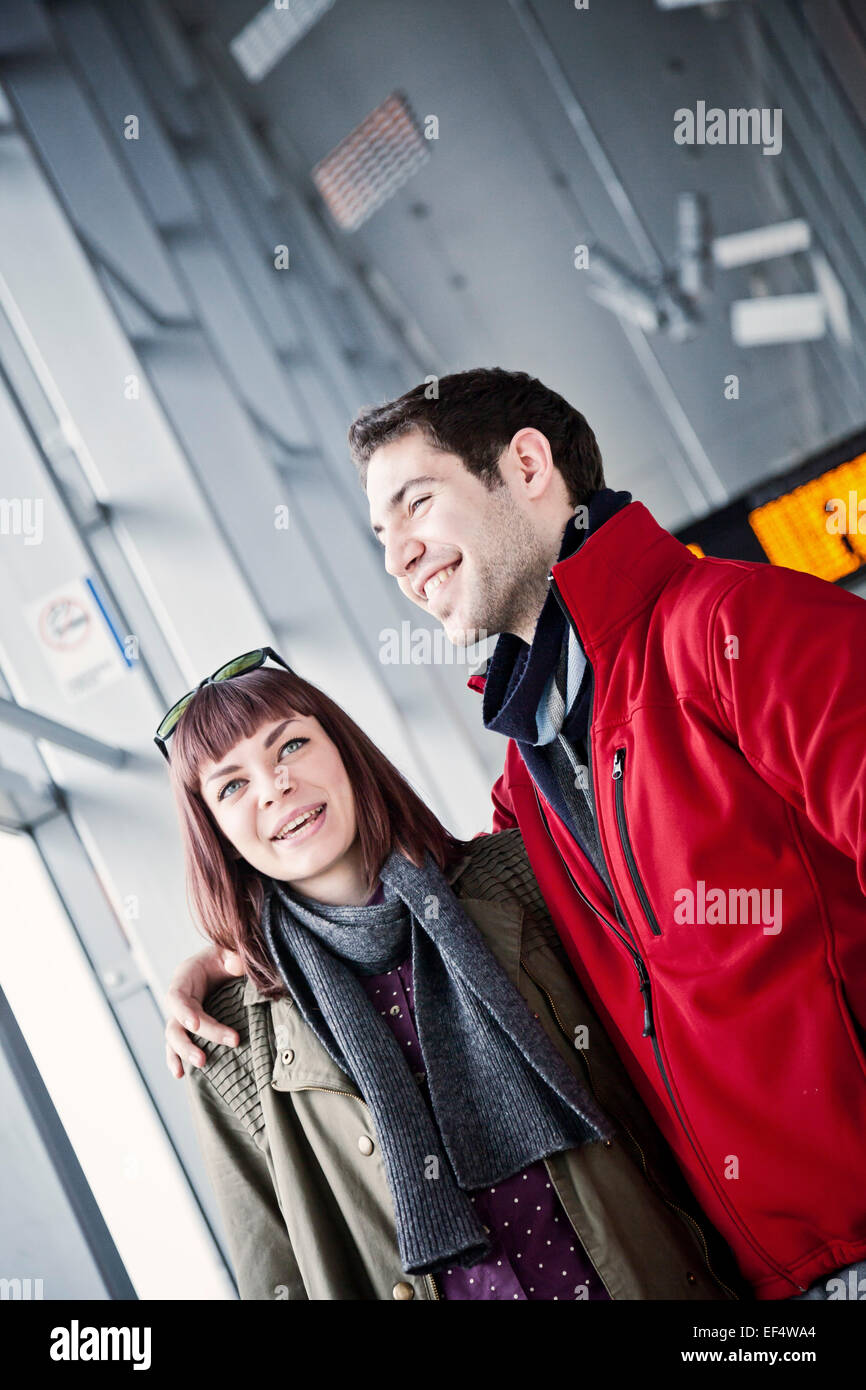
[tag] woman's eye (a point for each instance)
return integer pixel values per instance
(298, 741)
(417, 502)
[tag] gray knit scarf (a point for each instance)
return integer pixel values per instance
(501, 1094)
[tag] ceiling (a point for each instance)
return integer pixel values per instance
(474, 255)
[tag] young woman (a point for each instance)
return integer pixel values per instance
(421, 1103)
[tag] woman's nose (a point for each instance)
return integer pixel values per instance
(274, 785)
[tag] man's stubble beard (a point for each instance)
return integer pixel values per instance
(511, 572)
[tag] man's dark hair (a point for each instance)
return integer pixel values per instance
(475, 415)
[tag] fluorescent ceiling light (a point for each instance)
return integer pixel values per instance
(784, 318)
(761, 243)
(270, 34)
(692, 250)
(371, 163)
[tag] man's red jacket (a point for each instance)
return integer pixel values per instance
(727, 752)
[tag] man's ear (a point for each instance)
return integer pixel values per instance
(533, 457)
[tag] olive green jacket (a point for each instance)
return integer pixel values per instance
(293, 1154)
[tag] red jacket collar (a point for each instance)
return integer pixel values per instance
(619, 570)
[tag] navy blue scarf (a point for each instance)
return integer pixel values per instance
(518, 673)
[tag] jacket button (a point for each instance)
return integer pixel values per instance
(366, 1145)
(403, 1291)
(395, 1009)
(692, 1278)
(288, 1057)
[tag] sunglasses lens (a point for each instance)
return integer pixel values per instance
(248, 662)
(169, 723)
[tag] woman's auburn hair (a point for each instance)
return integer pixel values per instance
(226, 893)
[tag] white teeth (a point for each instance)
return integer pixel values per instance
(433, 584)
(297, 822)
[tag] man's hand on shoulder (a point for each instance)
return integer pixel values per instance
(191, 983)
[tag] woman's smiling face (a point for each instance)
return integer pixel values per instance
(284, 801)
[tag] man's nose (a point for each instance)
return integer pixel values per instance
(401, 555)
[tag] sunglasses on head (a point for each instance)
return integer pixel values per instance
(250, 661)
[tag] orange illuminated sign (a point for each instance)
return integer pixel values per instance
(820, 527)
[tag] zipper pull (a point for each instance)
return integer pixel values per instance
(618, 760)
(647, 1015)
(646, 996)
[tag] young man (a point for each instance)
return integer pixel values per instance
(686, 766)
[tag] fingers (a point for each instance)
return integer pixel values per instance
(215, 1031)
(200, 1023)
(179, 1044)
(184, 1010)
(183, 1007)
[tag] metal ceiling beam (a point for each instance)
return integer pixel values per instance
(40, 726)
(705, 486)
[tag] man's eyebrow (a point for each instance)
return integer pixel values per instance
(271, 738)
(401, 493)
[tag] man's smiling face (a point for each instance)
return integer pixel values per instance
(427, 511)
(468, 554)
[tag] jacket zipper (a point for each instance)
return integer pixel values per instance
(628, 939)
(335, 1091)
(649, 1030)
(618, 766)
(624, 1126)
